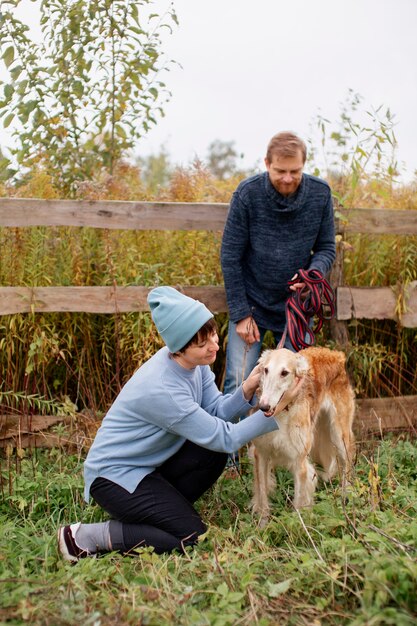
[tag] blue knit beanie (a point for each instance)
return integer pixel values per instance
(177, 317)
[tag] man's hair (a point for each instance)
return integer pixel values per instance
(286, 144)
(209, 328)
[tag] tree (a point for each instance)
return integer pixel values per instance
(222, 158)
(156, 170)
(360, 148)
(85, 94)
(6, 172)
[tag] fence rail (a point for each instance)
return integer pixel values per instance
(115, 299)
(112, 214)
(357, 302)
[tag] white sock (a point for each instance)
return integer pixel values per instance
(93, 537)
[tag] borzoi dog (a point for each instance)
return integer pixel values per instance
(309, 395)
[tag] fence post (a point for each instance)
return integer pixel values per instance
(338, 329)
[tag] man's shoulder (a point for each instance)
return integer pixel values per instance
(250, 183)
(250, 191)
(316, 182)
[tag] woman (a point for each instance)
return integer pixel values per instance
(165, 439)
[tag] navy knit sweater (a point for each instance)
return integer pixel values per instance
(267, 239)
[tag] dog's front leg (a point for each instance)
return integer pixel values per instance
(305, 482)
(260, 501)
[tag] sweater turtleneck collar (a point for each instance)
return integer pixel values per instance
(286, 203)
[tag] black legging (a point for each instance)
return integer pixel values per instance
(159, 512)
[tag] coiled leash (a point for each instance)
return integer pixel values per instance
(317, 299)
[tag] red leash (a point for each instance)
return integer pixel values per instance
(303, 304)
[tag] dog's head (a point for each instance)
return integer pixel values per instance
(282, 375)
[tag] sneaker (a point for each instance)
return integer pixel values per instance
(67, 546)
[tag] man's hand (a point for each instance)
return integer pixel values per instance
(248, 330)
(296, 286)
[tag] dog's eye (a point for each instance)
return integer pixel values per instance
(284, 373)
(266, 371)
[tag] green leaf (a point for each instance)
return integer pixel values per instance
(8, 91)
(135, 13)
(136, 30)
(31, 105)
(26, 109)
(275, 590)
(16, 71)
(21, 88)
(8, 56)
(8, 120)
(223, 589)
(234, 596)
(78, 88)
(120, 131)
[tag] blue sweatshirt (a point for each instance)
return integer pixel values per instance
(161, 406)
(267, 238)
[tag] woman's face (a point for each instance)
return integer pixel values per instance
(202, 352)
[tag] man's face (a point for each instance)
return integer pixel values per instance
(285, 173)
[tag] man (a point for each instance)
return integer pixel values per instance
(279, 222)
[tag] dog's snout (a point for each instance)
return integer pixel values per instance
(264, 407)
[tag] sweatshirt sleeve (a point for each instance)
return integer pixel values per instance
(215, 434)
(324, 251)
(223, 406)
(234, 242)
(176, 411)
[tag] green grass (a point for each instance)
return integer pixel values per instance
(347, 561)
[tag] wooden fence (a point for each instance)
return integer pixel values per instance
(351, 301)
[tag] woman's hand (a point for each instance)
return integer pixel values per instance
(251, 384)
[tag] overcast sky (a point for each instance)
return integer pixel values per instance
(253, 68)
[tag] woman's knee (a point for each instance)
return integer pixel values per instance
(193, 537)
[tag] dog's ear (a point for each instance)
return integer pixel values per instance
(301, 368)
(263, 358)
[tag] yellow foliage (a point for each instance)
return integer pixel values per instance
(189, 184)
(197, 184)
(39, 185)
(124, 184)
(374, 193)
